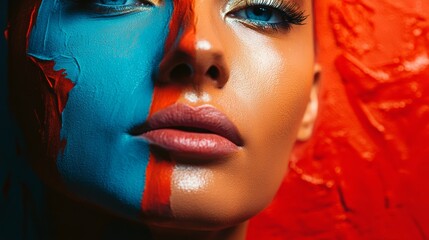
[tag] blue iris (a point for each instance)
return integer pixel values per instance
(259, 13)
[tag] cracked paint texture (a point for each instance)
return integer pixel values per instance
(364, 173)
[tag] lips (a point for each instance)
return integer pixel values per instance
(199, 131)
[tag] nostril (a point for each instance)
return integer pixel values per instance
(180, 71)
(213, 72)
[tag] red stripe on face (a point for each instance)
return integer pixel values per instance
(183, 19)
(156, 198)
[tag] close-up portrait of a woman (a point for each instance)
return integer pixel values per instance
(214, 119)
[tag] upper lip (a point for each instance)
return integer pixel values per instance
(201, 119)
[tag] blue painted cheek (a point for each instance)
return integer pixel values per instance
(111, 60)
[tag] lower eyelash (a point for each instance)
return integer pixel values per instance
(117, 10)
(291, 13)
(109, 10)
(269, 26)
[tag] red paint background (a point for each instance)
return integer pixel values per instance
(364, 173)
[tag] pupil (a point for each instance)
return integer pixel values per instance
(259, 13)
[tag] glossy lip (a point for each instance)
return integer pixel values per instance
(201, 131)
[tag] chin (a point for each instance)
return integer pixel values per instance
(214, 219)
(214, 208)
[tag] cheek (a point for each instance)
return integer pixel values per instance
(110, 90)
(274, 80)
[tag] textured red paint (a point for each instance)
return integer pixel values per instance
(57, 81)
(156, 197)
(363, 175)
(58, 88)
(182, 19)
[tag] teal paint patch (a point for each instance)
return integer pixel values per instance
(111, 60)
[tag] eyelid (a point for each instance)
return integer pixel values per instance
(97, 9)
(157, 2)
(234, 5)
(106, 10)
(154, 2)
(293, 13)
(286, 6)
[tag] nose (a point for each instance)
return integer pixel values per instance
(195, 55)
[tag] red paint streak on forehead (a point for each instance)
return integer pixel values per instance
(156, 198)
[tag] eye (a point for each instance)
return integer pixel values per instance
(261, 13)
(267, 15)
(123, 2)
(107, 8)
(114, 2)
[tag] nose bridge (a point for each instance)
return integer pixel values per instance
(182, 27)
(192, 51)
(205, 29)
(193, 25)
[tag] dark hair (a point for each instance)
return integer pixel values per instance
(32, 102)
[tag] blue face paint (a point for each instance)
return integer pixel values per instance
(111, 58)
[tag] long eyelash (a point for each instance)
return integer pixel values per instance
(107, 10)
(119, 10)
(293, 13)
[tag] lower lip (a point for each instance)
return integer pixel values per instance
(192, 143)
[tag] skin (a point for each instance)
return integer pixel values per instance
(117, 66)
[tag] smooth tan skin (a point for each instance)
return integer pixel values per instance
(265, 93)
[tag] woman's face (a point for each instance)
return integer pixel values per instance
(178, 112)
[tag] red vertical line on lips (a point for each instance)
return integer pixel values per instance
(156, 197)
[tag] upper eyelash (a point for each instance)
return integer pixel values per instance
(119, 10)
(106, 10)
(292, 13)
